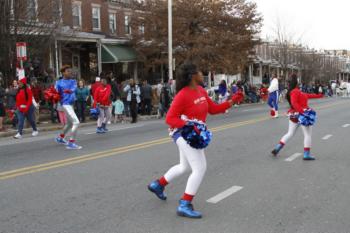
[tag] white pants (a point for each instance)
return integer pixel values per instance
(190, 158)
(307, 130)
(105, 116)
(72, 121)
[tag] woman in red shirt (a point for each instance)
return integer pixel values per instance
(191, 103)
(25, 108)
(298, 102)
(102, 100)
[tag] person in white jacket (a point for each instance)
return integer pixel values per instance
(273, 96)
(133, 97)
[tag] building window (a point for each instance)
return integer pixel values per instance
(76, 12)
(127, 24)
(142, 29)
(113, 22)
(96, 22)
(32, 9)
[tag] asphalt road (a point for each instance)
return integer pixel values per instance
(102, 188)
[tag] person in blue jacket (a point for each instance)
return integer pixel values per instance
(66, 88)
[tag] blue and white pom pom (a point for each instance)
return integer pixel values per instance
(196, 134)
(308, 118)
(94, 112)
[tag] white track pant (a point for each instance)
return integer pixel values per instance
(72, 121)
(190, 158)
(104, 117)
(292, 130)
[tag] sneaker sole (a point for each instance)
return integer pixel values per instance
(151, 190)
(68, 148)
(274, 153)
(309, 159)
(180, 214)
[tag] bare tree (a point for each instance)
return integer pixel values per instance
(287, 47)
(219, 35)
(32, 21)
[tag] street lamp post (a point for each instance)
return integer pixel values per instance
(170, 38)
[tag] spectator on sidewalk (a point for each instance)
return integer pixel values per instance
(37, 95)
(115, 92)
(133, 97)
(118, 107)
(82, 95)
(95, 85)
(24, 104)
(146, 98)
(102, 100)
(164, 99)
(222, 91)
(11, 93)
(124, 96)
(2, 106)
(234, 88)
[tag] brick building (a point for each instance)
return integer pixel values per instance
(94, 38)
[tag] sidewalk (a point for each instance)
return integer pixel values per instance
(48, 126)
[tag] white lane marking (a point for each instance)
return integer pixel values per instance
(221, 196)
(111, 130)
(346, 125)
(294, 156)
(328, 136)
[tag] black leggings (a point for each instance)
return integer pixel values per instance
(133, 110)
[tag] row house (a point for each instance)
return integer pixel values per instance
(282, 60)
(90, 35)
(94, 37)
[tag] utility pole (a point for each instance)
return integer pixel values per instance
(170, 38)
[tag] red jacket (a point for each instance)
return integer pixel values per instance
(102, 95)
(194, 104)
(299, 100)
(94, 87)
(22, 103)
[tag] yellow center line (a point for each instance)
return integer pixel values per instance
(119, 150)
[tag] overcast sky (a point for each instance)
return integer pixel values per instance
(322, 24)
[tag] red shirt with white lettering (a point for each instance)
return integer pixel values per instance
(194, 104)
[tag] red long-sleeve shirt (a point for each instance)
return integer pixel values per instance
(299, 100)
(102, 95)
(22, 103)
(194, 104)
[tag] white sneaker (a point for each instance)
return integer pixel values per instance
(17, 136)
(276, 114)
(35, 133)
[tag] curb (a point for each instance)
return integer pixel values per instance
(12, 132)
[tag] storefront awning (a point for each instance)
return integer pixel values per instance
(117, 53)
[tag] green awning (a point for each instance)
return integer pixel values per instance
(117, 53)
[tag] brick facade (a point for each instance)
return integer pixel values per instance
(106, 7)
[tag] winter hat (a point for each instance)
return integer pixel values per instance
(98, 79)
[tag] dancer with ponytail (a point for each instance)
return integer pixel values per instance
(186, 118)
(300, 115)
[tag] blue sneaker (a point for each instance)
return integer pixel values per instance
(308, 156)
(99, 130)
(104, 128)
(61, 141)
(185, 209)
(277, 149)
(157, 189)
(73, 146)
